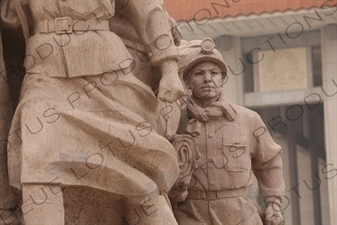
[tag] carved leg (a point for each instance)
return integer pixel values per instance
(8, 213)
(41, 205)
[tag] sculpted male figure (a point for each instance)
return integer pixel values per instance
(83, 119)
(233, 145)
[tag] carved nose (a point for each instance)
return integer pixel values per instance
(207, 78)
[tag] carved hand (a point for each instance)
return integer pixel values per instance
(178, 196)
(273, 214)
(170, 87)
(179, 191)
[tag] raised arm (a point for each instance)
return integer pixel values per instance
(153, 28)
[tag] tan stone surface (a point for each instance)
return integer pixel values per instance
(8, 211)
(284, 69)
(234, 145)
(85, 147)
(168, 114)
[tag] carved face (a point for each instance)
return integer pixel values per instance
(205, 81)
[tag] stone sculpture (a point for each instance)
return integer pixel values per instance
(231, 144)
(145, 71)
(7, 199)
(84, 121)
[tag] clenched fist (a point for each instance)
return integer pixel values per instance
(170, 87)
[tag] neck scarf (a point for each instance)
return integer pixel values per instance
(213, 111)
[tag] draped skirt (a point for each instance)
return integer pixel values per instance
(95, 131)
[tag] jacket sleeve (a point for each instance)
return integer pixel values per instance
(267, 164)
(152, 27)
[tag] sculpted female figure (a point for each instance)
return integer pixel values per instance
(83, 118)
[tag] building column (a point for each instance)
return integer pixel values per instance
(329, 69)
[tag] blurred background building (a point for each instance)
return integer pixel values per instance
(282, 63)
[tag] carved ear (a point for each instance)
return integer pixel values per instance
(187, 82)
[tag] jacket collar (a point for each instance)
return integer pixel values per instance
(216, 109)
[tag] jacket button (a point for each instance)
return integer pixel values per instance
(212, 205)
(210, 135)
(210, 159)
(212, 182)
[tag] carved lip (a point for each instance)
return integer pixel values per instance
(207, 87)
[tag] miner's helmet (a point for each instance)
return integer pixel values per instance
(201, 52)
